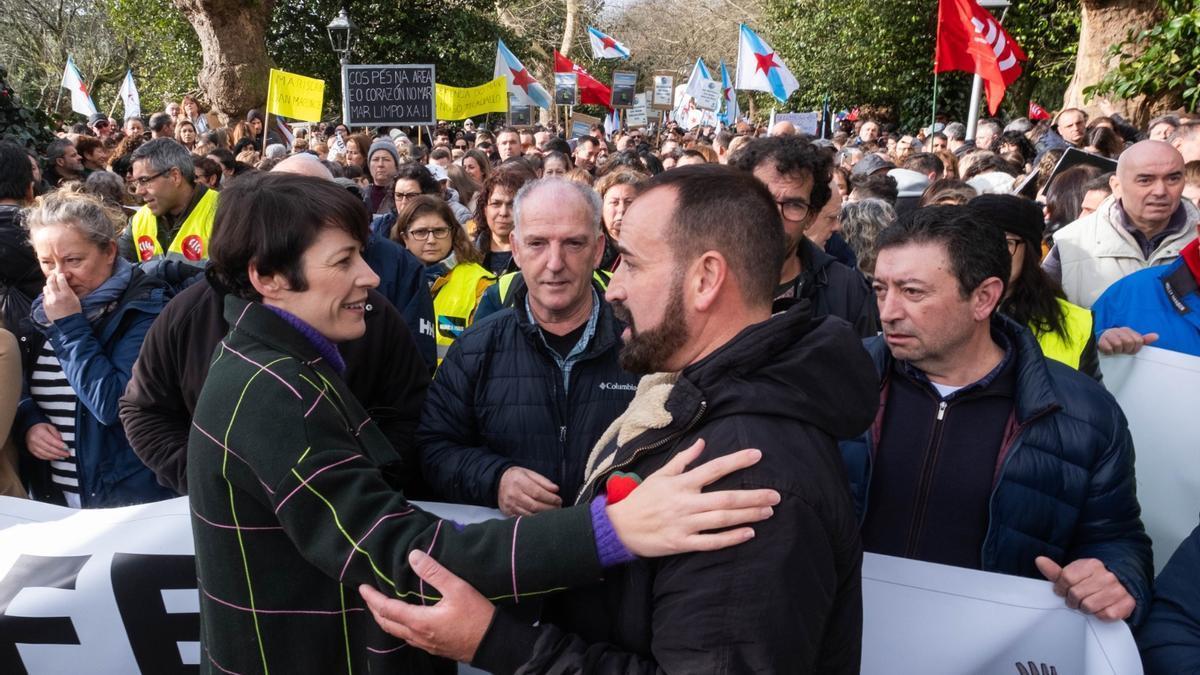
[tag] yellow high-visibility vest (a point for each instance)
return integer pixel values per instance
(1077, 324)
(190, 243)
(455, 297)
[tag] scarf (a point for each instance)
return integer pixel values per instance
(97, 304)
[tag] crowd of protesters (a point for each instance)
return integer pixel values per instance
(303, 327)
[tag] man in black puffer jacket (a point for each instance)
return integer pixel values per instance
(700, 247)
(986, 454)
(521, 396)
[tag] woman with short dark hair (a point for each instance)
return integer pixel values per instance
(292, 486)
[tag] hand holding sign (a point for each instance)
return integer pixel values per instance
(1089, 587)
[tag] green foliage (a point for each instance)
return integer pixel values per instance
(879, 54)
(161, 47)
(1159, 62)
(29, 127)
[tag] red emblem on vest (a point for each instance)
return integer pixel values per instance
(145, 247)
(193, 248)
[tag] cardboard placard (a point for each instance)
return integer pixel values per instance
(664, 90)
(709, 96)
(389, 95)
(566, 88)
(519, 115)
(636, 115)
(623, 86)
(1071, 158)
(581, 125)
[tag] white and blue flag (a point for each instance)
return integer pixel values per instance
(522, 85)
(760, 69)
(605, 47)
(729, 116)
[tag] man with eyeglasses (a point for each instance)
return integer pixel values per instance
(175, 221)
(798, 174)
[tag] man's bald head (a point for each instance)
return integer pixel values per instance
(1149, 182)
(784, 128)
(304, 164)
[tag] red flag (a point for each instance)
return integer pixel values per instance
(1037, 112)
(970, 39)
(590, 89)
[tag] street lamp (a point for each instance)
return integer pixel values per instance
(341, 37)
(977, 83)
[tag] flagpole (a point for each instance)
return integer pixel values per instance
(933, 116)
(937, 42)
(266, 120)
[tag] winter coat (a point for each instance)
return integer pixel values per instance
(1140, 301)
(1169, 639)
(383, 370)
(834, 289)
(292, 511)
(402, 281)
(787, 601)
(499, 401)
(1096, 250)
(1064, 482)
(97, 360)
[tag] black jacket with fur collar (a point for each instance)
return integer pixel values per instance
(789, 600)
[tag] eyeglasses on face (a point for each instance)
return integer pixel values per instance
(423, 233)
(404, 196)
(793, 209)
(135, 183)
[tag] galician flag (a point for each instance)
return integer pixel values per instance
(520, 83)
(81, 100)
(731, 113)
(759, 67)
(129, 96)
(604, 47)
(686, 112)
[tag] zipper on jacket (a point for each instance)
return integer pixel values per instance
(926, 481)
(588, 488)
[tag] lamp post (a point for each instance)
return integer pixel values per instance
(977, 83)
(341, 37)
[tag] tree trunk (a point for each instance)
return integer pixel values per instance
(1105, 23)
(233, 41)
(569, 27)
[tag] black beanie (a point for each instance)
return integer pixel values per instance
(1013, 214)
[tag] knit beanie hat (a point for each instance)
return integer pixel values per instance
(383, 144)
(1012, 214)
(255, 114)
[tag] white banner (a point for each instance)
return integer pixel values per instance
(1158, 390)
(115, 589)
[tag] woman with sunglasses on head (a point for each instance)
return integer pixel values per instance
(428, 228)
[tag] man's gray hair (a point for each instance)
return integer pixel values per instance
(583, 192)
(164, 154)
(57, 149)
(1184, 132)
(955, 131)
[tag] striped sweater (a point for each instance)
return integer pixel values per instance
(291, 511)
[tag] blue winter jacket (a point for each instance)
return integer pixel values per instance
(97, 361)
(1140, 301)
(498, 401)
(402, 280)
(1170, 637)
(1064, 485)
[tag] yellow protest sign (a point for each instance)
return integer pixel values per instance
(295, 96)
(456, 103)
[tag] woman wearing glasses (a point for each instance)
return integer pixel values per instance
(427, 227)
(90, 321)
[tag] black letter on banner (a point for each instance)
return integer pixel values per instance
(138, 581)
(35, 571)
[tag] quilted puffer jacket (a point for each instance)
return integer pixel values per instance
(499, 400)
(1064, 485)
